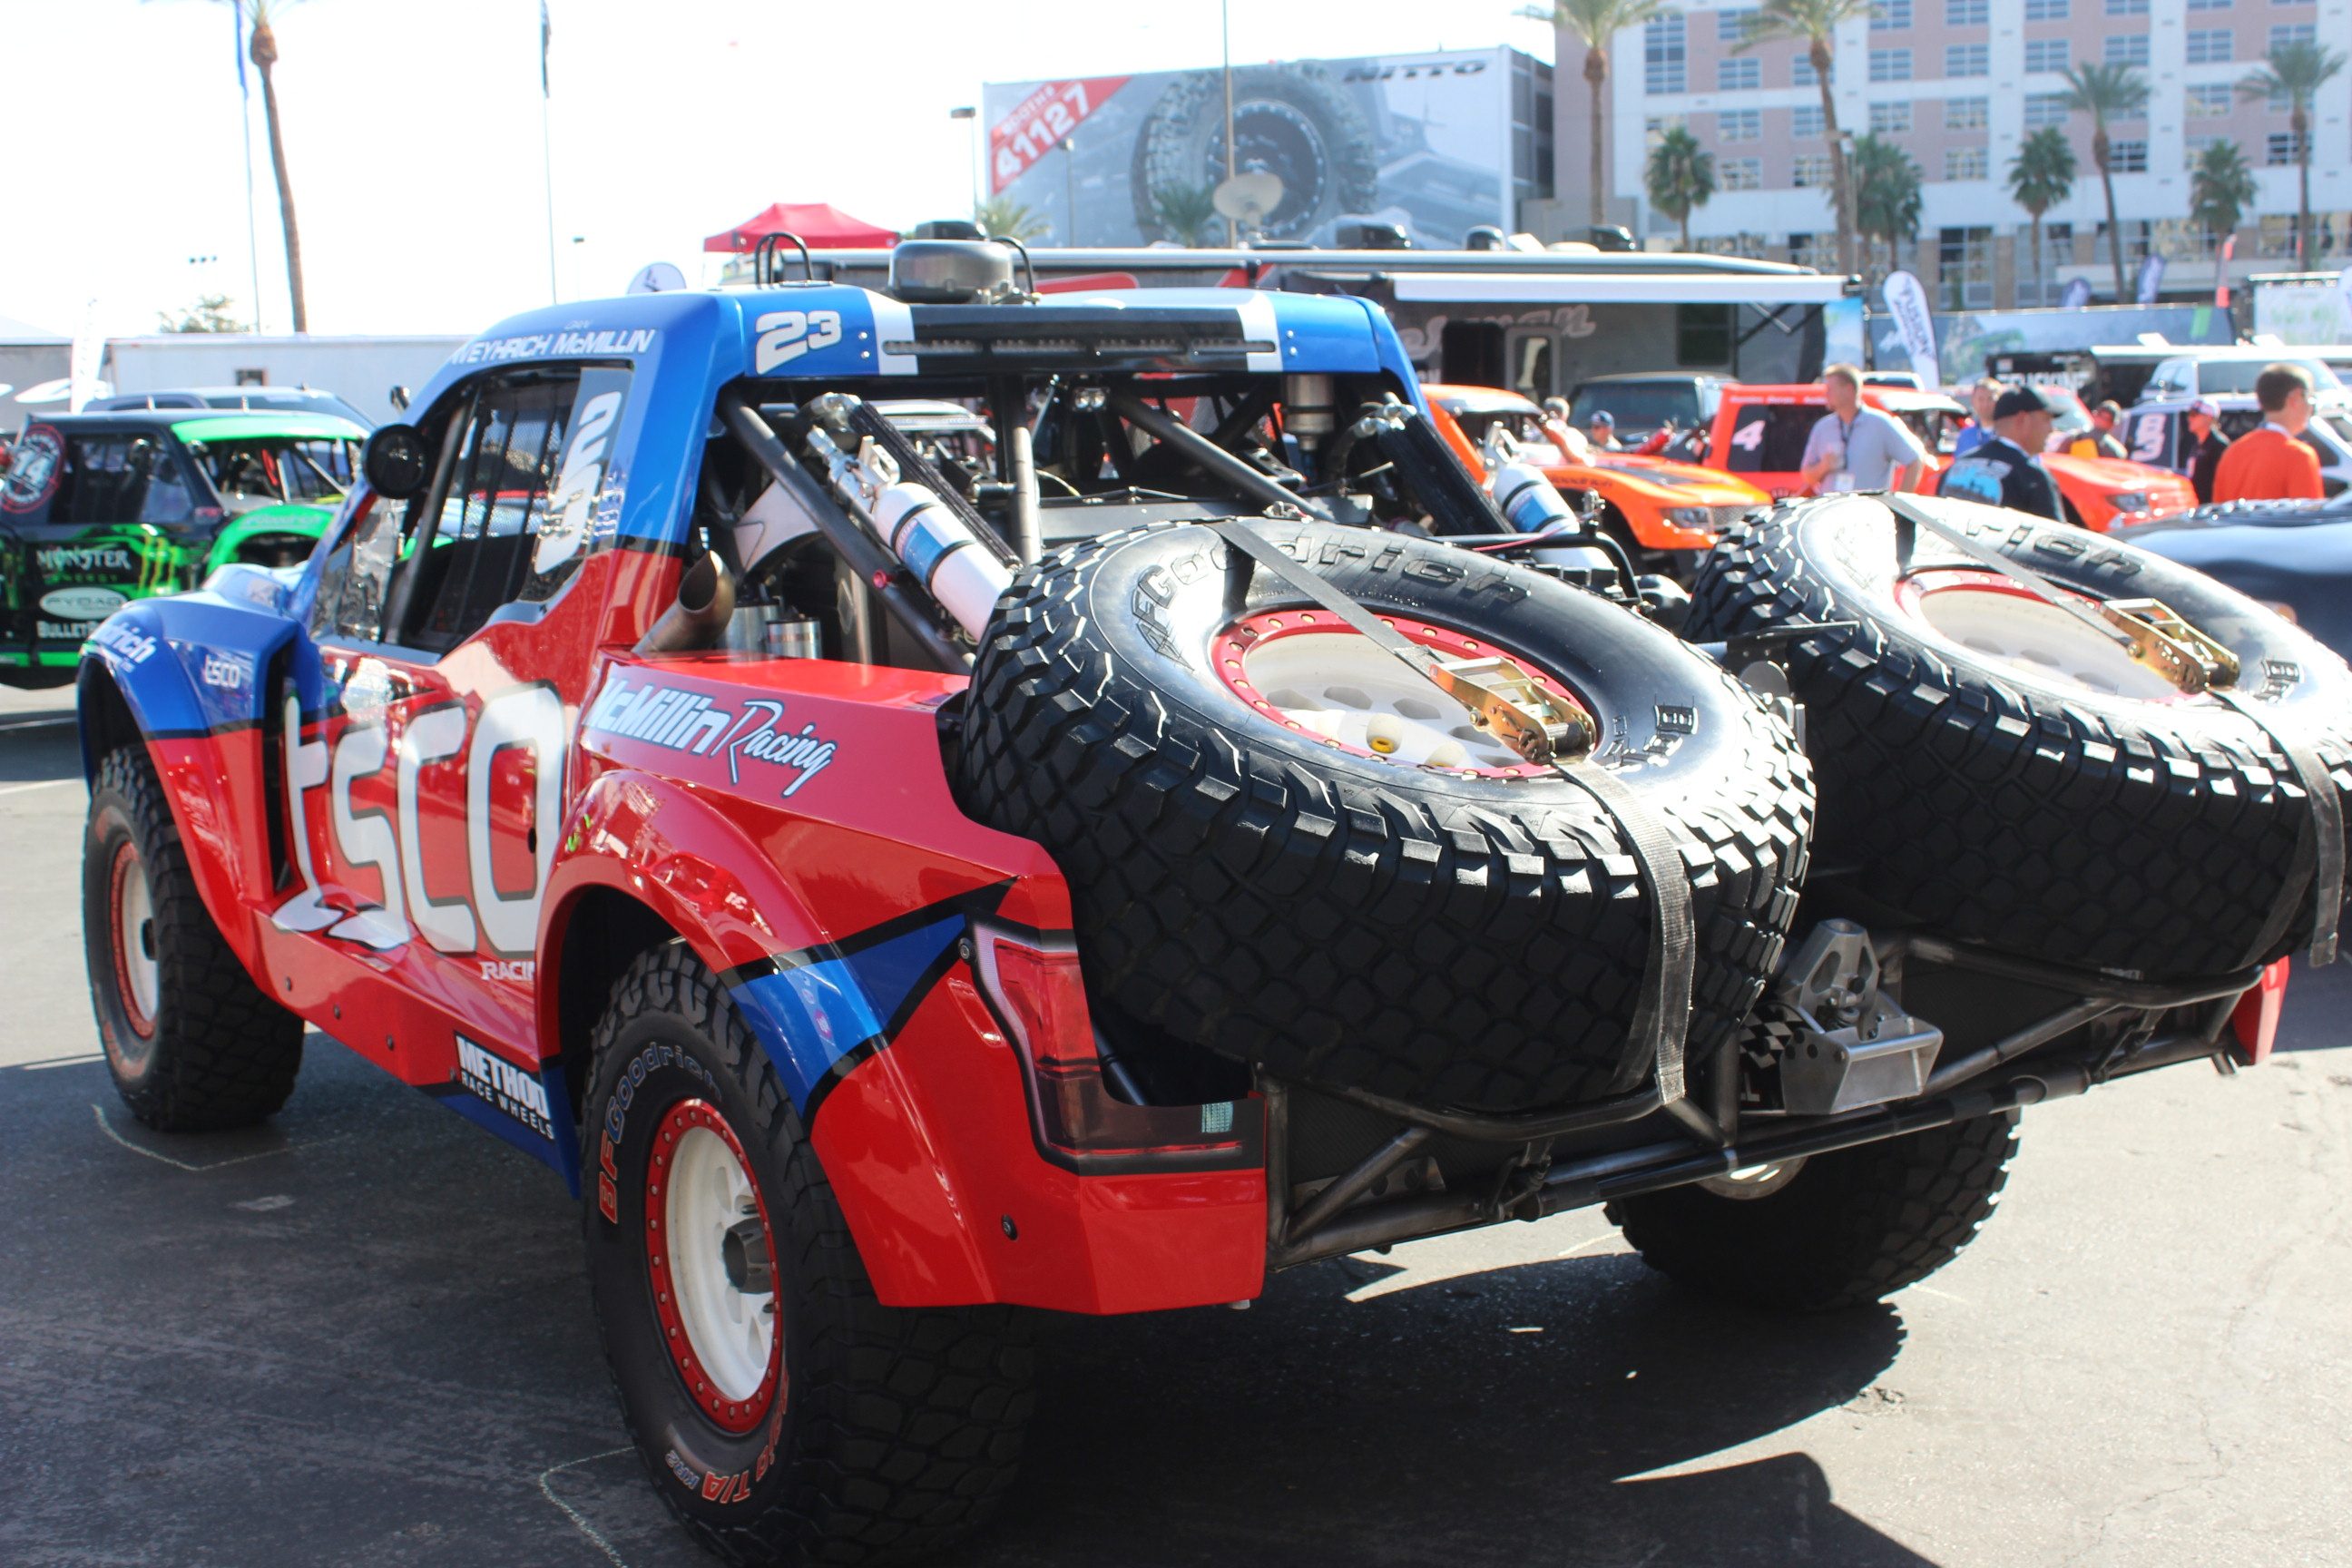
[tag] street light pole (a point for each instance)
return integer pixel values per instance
(1225, 50)
(971, 117)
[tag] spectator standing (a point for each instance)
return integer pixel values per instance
(2100, 440)
(1983, 397)
(2272, 462)
(2203, 459)
(1602, 431)
(2007, 470)
(1855, 447)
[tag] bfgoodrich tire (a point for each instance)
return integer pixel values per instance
(1843, 1229)
(784, 1416)
(1990, 770)
(192, 1044)
(1395, 922)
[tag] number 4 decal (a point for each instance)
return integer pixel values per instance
(785, 335)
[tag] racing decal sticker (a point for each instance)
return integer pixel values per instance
(124, 648)
(785, 335)
(820, 1011)
(615, 1132)
(35, 462)
(513, 1090)
(678, 719)
(81, 604)
(571, 507)
(85, 561)
(556, 345)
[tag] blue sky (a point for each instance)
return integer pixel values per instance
(412, 130)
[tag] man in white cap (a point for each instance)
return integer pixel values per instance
(2201, 458)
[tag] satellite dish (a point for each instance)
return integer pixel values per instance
(1247, 198)
(657, 278)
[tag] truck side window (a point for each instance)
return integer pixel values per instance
(523, 501)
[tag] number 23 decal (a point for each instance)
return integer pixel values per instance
(785, 335)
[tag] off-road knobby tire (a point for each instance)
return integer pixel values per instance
(219, 1052)
(1849, 1227)
(1447, 941)
(895, 1430)
(1964, 796)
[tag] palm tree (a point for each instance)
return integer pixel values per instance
(1681, 176)
(2041, 176)
(1886, 194)
(1183, 211)
(2107, 92)
(1597, 23)
(262, 50)
(1004, 217)
(1814, 24)
(2220, 189)
(2296, 72)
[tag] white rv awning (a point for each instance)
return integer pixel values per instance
(1601, 289)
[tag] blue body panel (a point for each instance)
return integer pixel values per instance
(2299, 556)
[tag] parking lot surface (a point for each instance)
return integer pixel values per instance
(361, 1334)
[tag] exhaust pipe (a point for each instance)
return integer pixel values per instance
(705, 601)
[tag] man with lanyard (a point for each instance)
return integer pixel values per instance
(1856, 449)
(2202, 461)
(2006, 469)
(2273, 462)
(1982, 397)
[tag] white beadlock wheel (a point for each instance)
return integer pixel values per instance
(137, 969)
(2004, 622)
(714, 1266)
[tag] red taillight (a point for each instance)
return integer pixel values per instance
(1038, 994)
(2255, 1021)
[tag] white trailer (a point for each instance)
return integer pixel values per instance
(361, 370)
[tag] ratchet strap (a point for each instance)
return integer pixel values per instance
(2319, 845)
(1661, 1021)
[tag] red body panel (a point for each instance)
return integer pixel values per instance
(417, 896)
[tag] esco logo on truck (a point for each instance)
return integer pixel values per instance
(487, 919)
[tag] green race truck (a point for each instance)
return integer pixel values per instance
(99, 509)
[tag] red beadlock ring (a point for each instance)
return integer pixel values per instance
(728, 1415)
(1227, 655)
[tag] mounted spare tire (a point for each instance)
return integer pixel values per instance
(1283, 845)
(1994, 770)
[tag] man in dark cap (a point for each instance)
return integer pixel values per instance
(1602, 431)
(2007, 470)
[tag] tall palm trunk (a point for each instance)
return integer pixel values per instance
(1686, 212)
(2099, 151)
(264, 55)
(1596, 76)
(1844, 203)
(2300, 123)
(2041, 263)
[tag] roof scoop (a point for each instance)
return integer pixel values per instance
(951, 271)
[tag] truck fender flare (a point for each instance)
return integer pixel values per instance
(644, 838)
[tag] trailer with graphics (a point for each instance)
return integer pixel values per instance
(903, 884)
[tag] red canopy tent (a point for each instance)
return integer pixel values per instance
(821, 223)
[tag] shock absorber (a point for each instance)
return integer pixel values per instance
(960, 571)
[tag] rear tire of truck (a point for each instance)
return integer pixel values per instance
(1840, 1230)
(1286, 846)
(784, 1414)
(1992, 770)
(192, 1044)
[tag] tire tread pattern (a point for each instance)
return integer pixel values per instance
(908, 1421)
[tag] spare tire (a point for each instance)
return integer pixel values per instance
(1283, 845)
(1992, 770)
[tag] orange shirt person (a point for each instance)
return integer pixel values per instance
(2273, 463)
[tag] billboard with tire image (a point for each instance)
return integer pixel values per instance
(1423, 141)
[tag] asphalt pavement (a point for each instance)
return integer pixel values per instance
(361, 1334)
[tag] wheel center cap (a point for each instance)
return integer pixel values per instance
(744, 1249)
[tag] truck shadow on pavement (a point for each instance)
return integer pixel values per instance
(1493, 1418)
